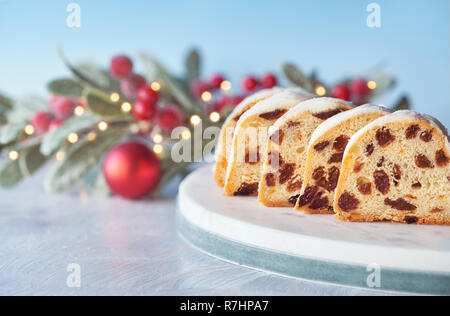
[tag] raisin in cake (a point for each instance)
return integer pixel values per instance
(283, 170)
(223, 147)
(396, 169)
(250, 140)
(324, 156)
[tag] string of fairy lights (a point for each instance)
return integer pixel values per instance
(157, 138)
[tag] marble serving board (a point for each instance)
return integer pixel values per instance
(380, 256)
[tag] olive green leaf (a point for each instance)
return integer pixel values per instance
(25, 108)
(5, 103)
(66, 87)
(52, 141)
(99, 104)
(30, 160)
(81, 158)
(10, 132)
(403, 104)
(294, 74)
(100, 76)
(193, 65)
(180, 94)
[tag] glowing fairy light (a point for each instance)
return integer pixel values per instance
(60, 155)
(13, 155)
(126, 107)
(206, 96)
(29, 130)
(92, 136)
(157, 138)
(321, 91)
(214, 117)
(158, 149)
(155, 85)
(225, 85)
(79, 111)
(186, 134)
(195, 120)
(114, 97)
(72, 138)
(103, 126)
(372, 85)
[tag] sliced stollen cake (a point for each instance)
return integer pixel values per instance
(250, 140)
(284, 167)
(396, 169)
(324, 156)
(223, 147)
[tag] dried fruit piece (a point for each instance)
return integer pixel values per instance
(333, 178)
(293, 199)
(411, 220)
(270, 180)
(400, 204)
(369, 149)
(381, 162)
(294, 186)
(293, 124)
(319, 202)
(365, 188)
(286, 172)
(437, 210)
(423, 162)
(340, 143)
(358, 167)
(273, 115)
(318, 173)
(336, 158)
(384, 137)
(277, 137)
(411, 131)
(441, 159)
(426, 136)
(308, 195)
(347, 202)
(397, 174)
(416, 185)
(382, 181)
(326, 115)
(247, 189)
(321, 146)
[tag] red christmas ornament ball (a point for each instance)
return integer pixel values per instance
(341, 91)
(121, 67)
(216, 81)
(143, 110)
(131, 85)
(132, 170)
(41, 122)
(269, 81)
(63, 107)
(359, 87)
(169, 117)
(148, 95)
(249, 83)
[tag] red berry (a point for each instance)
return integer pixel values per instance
(249, 83)
(198, 87)
(121, 67)
(55, 124)
(131, 85)
(63, 107)
(41, 122)
(359, 87)
(269, 81)
(144, 111)
(148, 95)
(216, 81)
(169, 117)
(341, 91)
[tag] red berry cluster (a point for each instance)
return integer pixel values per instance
(251, 83)
(62, 109)
(145, 107)
(357, 91)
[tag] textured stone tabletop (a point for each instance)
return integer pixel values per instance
(122, 248)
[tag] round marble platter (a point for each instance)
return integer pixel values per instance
(381, 256)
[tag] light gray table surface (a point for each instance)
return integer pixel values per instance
(122, 248)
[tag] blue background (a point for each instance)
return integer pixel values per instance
(236, 37)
